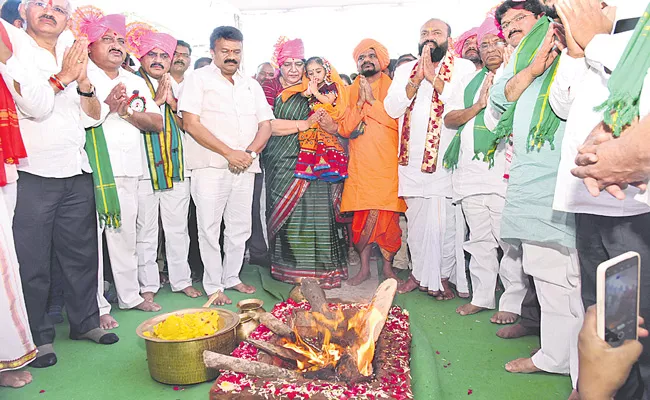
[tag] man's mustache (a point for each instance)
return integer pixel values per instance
(181, 62)
(48, 16)
(513, 32)
(471, 49)
(157, 65)
(230, 62)
(115, 49)
(369, 64)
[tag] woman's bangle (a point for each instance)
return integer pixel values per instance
(413, 85)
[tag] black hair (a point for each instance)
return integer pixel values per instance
(184, 44)
(533, 6)
(354, 76)
(346, 79)
(227, 33)
(317, 60)
(202, 60)
(391, 65)
(10, 11)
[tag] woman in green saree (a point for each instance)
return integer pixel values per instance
(305, 240)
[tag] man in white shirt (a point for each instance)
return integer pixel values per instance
(606, 226)
(479, 186)
(180, 64)
(132, 111)
(423, 182)
(163, 189)
(55, 211)
(228, 118)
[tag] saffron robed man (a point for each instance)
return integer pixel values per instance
(164, 188)
(228, 118)
(417, 98)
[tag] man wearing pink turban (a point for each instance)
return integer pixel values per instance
(466, 46)
(163, 190)
(55, 212)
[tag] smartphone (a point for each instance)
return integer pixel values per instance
(617, 294)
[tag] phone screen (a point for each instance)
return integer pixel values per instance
(621, 287)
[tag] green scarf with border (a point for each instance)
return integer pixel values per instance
(484, 139)
(544, 122)
(626, 82)
(107, 202)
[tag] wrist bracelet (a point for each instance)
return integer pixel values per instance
(57, 82)
(413, 85)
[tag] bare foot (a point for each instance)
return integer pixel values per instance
(148, 306)
(504, 318)
(359, 278)
(463, 295)
(192, 292)
(244, 288)
(107, 322)
(469, 309)
(410, 285)
(514, 332)
(434, 293)
(522, 366)
(447, 293)
(148, 296)
(574, 395)
(389, 273)
(222, 299)
(15, 379)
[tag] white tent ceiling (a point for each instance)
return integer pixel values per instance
(255, 5)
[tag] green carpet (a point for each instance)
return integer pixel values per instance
(473, 354)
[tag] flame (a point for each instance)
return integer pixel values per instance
(364, 323)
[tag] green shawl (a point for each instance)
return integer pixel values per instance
(626, 81)
(544, 122)
(484, 139)
(106, 200)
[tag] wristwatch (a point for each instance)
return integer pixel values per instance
(253, 154)
(86, 94)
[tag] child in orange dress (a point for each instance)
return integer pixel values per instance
(321, 155)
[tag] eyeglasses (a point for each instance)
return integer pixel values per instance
(57, 9)
(497, 45)
(506, 25)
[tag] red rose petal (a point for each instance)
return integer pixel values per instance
(42, 391)
(437, 352)
(176, 388)
(469, 391)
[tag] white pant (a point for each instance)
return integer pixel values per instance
(172, 206)
(121, 244)
(483, 213)
(453, 255)
(556, 272)
(220, 194)
(102, 303)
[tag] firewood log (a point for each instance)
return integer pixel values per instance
(275, 325)
(278, 351)
(220, 361)
(314, 294)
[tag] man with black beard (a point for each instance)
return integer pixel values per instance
(417, 97)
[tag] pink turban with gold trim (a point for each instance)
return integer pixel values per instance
(141, 38)
(285, 49)
(90, 22)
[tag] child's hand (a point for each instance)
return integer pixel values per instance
(313, 87)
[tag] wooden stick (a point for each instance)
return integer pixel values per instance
(212, 299)
(314, 294)
(279, 351)
(275, 325)
(255, 368)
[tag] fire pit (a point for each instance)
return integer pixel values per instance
(341, 351)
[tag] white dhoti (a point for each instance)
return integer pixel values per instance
(221, 195)
(483, 214)
(427, 218)
(172, 206)
(102, 303)
(453, 255)
(121, 243)
(556, 272)
(17, 347)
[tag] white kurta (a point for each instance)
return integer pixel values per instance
(232, 113)
(481, 192)
(172, 205)
(426, 194)
(124, 142)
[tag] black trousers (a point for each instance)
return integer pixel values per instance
(57, 216)
(531, 313)
(599, 239)
(256, 244)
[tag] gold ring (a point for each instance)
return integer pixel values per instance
(79, 61)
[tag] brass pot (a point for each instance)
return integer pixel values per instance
(251, 305)
(247, 324)
(180, 362)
